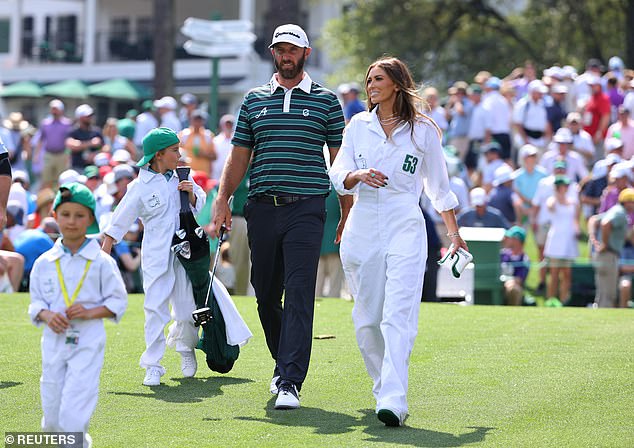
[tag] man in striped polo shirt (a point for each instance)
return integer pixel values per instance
(282, 128)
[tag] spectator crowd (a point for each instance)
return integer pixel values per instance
(551, 155)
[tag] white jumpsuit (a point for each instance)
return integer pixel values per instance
(384, 243)
(69, 385)
(156, 201)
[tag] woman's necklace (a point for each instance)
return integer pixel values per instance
(389, 120)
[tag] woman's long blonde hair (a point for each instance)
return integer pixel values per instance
(408, 105)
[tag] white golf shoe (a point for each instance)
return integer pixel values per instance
(287, 397)
(189, 365)
(152, 376)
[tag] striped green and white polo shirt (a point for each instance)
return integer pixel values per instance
(286, 129)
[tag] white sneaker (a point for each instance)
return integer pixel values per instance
(189, 365)
(273, 386)
(152, 376)
(288, 397)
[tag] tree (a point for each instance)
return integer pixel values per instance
(453, 39)
(164, 38)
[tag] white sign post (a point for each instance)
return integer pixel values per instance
(216, 39)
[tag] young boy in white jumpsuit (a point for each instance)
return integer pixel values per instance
(384, 242)
(74, 286)
(154, 198)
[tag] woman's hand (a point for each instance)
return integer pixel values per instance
(368, 176)
(458, 242)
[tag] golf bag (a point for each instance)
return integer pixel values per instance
(191, 245)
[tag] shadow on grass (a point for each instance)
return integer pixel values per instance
(190, 390)
(419, 437)
(327, 422)
(8, 384)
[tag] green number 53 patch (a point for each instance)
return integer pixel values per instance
(409, 164)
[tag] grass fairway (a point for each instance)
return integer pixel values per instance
(479, 376)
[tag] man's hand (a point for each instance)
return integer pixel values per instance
(222, 216)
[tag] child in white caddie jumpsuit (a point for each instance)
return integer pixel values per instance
(73, 287)
(384, 243)
(154, 198)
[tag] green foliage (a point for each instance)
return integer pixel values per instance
(443, 41)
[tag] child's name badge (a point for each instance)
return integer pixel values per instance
(72, 336)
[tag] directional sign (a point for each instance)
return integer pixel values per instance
(216, 50)
(213, 30)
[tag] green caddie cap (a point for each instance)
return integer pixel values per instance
(80, 194)
(516, 232)
(155, 140)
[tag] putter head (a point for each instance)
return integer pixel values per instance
(202, 316)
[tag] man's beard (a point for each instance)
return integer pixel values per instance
(291, 73)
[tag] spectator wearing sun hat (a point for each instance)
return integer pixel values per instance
(581, 140)
(560, 150)
(480, 214)
(502, 195)
(607, 234)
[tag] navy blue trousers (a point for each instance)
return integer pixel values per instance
(285, 242)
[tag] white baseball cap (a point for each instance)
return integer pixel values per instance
(121, 156)
(84, 110)
(478, 196)
(291, 34)
(502, 174)
(563, 135)
(620, 170)
(537, 86)
(70, 176)
(21, 175)
(167, 102)
(613, 143)
(102, 159)
(560, 88)
(56, 104)
(528, 150)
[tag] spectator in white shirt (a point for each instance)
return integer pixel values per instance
(166, 107)
(492, 154)
(581, 140)
(530, 119)
(623, 129)
(562, 142)
(477, 126)
(436, 111)
(145, 122)
(222, 142)
(497, 117)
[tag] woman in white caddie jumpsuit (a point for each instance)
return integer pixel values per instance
(384, 243)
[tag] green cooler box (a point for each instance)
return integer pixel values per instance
(485, 244)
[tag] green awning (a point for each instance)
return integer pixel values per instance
(71, 88)
(121, 89)
(27, 89)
